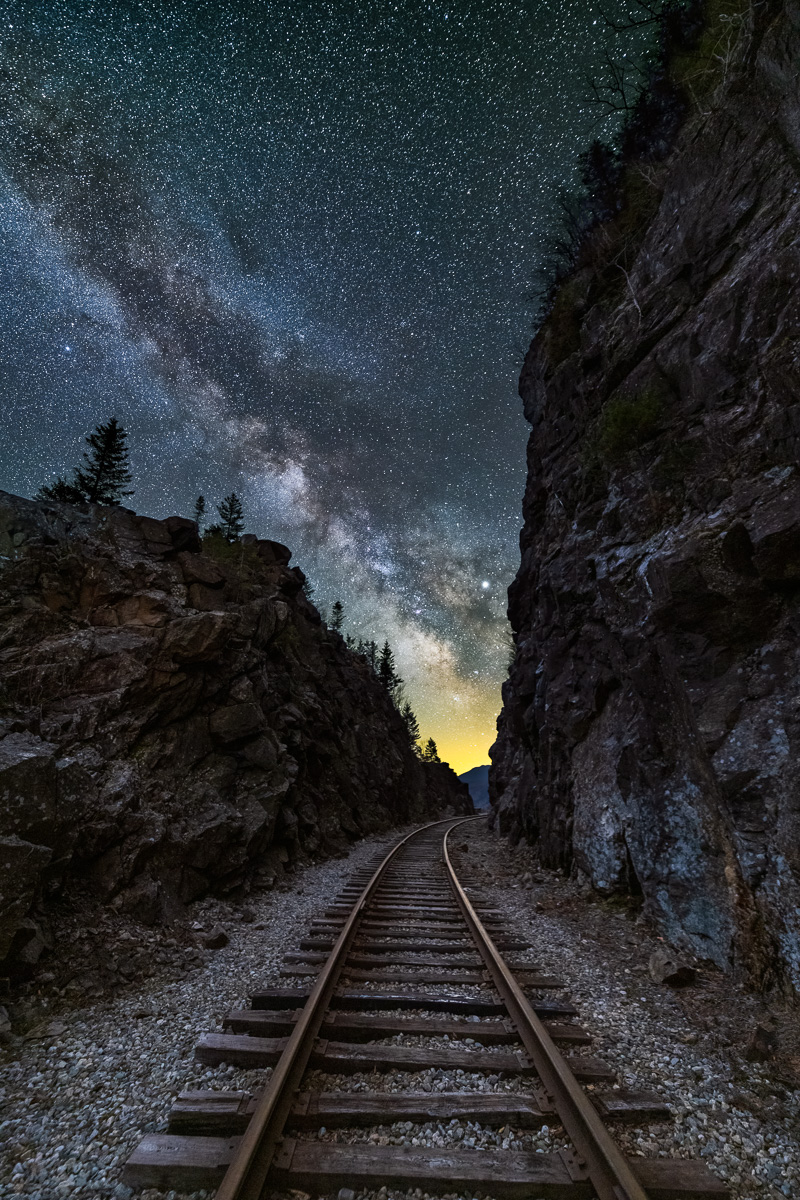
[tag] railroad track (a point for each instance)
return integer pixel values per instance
(392, 955)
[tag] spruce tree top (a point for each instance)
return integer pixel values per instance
(232, 517)
(104, 476)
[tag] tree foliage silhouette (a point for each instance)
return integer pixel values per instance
(337, 618)
(429, 751)
(387, 673)
(104, 476)
(412, 724)
(370, 652)
(231, 516)
(200, 512)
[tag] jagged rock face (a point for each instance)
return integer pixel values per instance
(172, 724)
(651, 721)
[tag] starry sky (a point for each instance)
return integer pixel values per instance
(292, 246)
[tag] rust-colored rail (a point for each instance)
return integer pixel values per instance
(245, 1144)
(602, 1159)
(246, 1176)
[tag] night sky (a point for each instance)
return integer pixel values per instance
(291, 246)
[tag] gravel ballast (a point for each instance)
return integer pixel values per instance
(76, 1100)
(81, 1090)
(687, 1045)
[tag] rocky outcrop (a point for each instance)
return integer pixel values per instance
(651, 721)
(175, 722)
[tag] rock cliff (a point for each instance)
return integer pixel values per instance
(175, 722)
(651, 720)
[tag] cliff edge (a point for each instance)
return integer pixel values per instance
(651, 720)
(176, 723)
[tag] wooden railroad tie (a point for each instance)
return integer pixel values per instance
(400, 927)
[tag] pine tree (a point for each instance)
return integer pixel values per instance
(370, 652)
(429, 751)
(388, 674)
(104, 476)
(200, 512)
(232, 517)
(337, 618)
(412, 724)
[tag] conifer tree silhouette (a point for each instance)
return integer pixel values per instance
(387, 673)
(232, 517)
(104, 476)
(429, 751)
(412, 724)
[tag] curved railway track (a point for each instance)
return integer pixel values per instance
(409, 948)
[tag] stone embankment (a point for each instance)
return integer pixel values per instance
(652, 716)
(174, 722)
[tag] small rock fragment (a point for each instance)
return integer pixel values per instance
(762, 1044)
(216, 939)
(665, 968)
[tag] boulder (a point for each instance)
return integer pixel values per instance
(665, 968)
(273, 553)
(199, 568)
(28, 793)
(236, 723)
(762, 1044)
(184, 535)
(216, 939)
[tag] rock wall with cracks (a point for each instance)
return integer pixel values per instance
(174, 723)
(651, 721)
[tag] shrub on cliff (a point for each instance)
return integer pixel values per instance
(627, 422)
(649, 91)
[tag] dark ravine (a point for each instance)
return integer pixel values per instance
(175, 723)
(651, 721)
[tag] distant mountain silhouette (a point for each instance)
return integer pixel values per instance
(477, 780)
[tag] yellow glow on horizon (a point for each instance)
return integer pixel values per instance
(462, 723)
(467, 751)
(457, 708)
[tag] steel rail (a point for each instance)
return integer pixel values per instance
(245, 1178)
(605, 1163)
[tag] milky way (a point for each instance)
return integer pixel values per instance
(292, 247)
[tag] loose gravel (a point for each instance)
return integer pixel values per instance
(79, 1092)
(687, 1045)
(82, 1088)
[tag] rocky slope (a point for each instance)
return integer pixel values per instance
(175, 723)
(652, 717)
